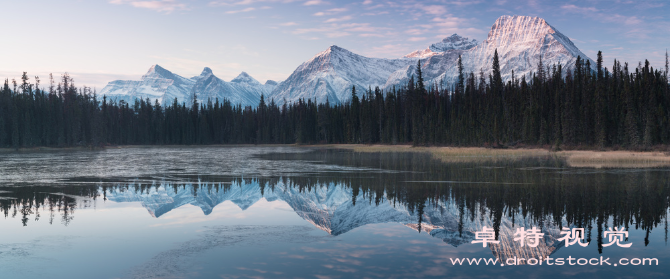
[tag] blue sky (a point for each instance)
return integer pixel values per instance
(101, 40)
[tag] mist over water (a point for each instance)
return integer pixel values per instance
(202, 212)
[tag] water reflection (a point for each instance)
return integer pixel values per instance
(451, 212)
(449, 201)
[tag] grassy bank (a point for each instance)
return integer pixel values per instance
(574, 158)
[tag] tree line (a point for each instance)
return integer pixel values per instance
(593, 107)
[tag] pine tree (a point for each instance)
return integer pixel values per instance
(666, 65)
(421, 88)
(460, 87)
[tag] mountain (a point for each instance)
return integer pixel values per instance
(164, 86)
(330, 75)
(157, 84)
(453, 42)
(243, 89)
(331, 208)
(521, 41)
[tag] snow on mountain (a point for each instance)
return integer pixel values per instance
(453, 42)
(243, 89)
(164, 86)
(330, 208)
(330, 75)
(157, 84)
(424, 53)
(521, 41)
(442, 221)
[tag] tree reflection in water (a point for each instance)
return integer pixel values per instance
(447, 200)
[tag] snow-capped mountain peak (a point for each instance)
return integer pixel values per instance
(245, 78)
(162, 85)
(156, 71)
(206, 72)
(331, 74)
(521, 42)
(453, 42)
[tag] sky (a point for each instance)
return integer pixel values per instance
(97, 41)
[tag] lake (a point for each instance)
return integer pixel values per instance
(307, 212)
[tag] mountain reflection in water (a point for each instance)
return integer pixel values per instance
(449, 201)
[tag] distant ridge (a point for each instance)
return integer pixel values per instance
(521, 41)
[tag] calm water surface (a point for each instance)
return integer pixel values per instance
(285, 212)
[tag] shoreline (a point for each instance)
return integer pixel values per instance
(574, 158)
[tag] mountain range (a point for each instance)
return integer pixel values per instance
(330, 208)
(521, 42)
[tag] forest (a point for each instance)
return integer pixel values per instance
(586, 107)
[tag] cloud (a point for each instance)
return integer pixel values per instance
(434, 9)
(246, 10)
(415, 31)
(367, 35)
(602, 17)
(449, 24)
(331, 12)
(338, 19)
(162, 6)
(390, 50)
(367, 2)
(315, 2)
(336, 30)
(417, 39)
(337, 34)
(375, 14)
(576, 9)
(288, 24)
(220, 3)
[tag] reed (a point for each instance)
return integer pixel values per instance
(574, 158)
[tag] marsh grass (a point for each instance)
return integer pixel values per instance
(573, 158)
(615, 159)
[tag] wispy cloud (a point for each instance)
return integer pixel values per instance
(576, 9)
(162, 6)
(417, 39)
(633, 24)
(288, 24)
(246, 10)
(336, 30)
(331, 11)
(391, 50)
(338, 19)
(220, 3)
(315, 2)
(434, 9)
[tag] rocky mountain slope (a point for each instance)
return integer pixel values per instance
(164, 86)
(331, 209)
(521, 42)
